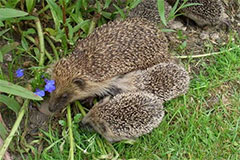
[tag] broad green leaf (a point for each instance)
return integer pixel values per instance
(10, 102)
(7, 48)
(6, 13)
(17, 90)
(161, 10)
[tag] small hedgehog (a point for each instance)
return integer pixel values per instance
(100, 61)
(132, 114)
(165, 80)
(210, 12)
(125, 116)
(148, 9)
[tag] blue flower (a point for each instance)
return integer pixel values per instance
(19, 72)
(39, 92)
(50, 85)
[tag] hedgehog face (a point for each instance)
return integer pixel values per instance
(102, 128)
(67, 91)
(71, 84)
(93, 120)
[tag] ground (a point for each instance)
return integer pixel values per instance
(202, 124)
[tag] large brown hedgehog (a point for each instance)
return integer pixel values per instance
(100, 61)
(125, 116)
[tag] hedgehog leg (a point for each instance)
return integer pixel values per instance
(165, 80)
(126, 116)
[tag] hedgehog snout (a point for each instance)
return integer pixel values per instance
(57, 104)
(53, 107)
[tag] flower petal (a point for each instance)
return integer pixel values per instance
(19, 72)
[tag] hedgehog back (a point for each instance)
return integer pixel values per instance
(120, 47)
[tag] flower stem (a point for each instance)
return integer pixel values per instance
(71, 140)
(53, 47)
(207, 54)
(14, 129)
(41, 42)
(80, 108)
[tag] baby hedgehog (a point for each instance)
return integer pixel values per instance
(132, 114)
(99, 62)
(125, 116)
(148, 9)
(209, 12)
(165, 80)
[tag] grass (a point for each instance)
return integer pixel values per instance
(203, 124)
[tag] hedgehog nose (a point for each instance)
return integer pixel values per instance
(53, 107)
(86, 126)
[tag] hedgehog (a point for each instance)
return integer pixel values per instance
(129, 115)
(99, 62)
(166, 80)
(148, 9)
(209, 12)
(126, 116)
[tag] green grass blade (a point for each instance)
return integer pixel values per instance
(4, 31)
(107, 3)
(56, 13)
(161, 10)
(17, 90)
(173, 11)
(10, 102)
(134, 4)
(120, 11)
(3, 131)
(8, 140)
(6, 13)
(30, 5)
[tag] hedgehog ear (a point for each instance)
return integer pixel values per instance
(79, 82)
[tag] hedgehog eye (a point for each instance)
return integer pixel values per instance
(79, 81)
(64, 96)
